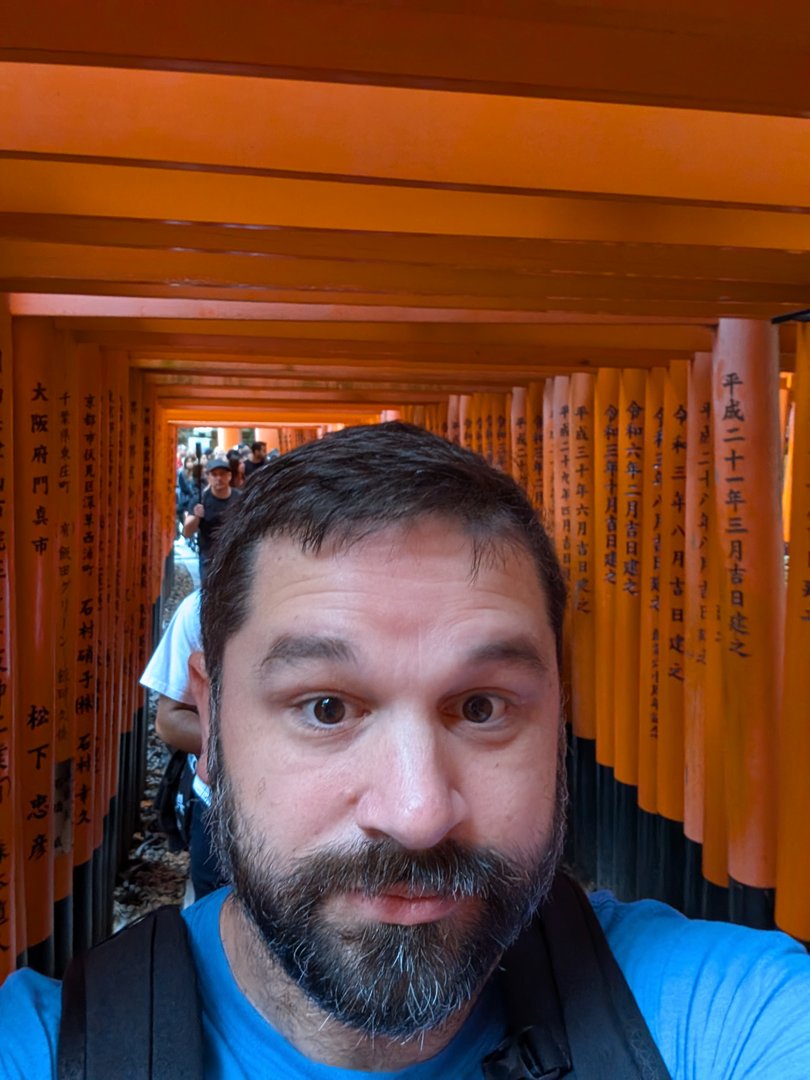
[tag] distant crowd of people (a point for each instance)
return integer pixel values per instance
(208, 485)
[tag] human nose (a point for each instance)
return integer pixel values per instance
(410, 794)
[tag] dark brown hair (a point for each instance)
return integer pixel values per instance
(353, 483)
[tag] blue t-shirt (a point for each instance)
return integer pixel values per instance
(722, 1003)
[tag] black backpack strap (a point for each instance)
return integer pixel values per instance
(570, 1010)
(130, 1008)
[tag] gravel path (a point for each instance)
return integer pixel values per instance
(153, 875)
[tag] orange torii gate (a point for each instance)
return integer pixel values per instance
(596, 320)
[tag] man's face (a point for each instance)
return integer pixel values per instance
(260, 454)
(387, 756)
(220, 481)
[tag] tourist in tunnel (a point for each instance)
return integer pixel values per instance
(177, 723)
(205, 511)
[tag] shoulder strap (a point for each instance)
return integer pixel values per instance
(130, 1008)
(570, 1010)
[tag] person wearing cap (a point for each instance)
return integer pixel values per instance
(204, 514)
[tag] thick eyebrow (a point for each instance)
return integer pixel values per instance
(520, 652)
(295, 649)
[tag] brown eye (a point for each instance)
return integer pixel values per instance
(478, 709)
(329, 710)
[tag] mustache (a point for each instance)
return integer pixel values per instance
(450, 870)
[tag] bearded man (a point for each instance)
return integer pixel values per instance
(379, 695)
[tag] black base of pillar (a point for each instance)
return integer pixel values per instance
(673, 860)
(41, 957)
(714, 902)
(648, 866)
(625, 826)
(693, 879)
(583, 805)
(604, 826)
(63, 934)
(82, 907)
(750, 906)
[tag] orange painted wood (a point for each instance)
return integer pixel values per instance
(489, 141)
(227, 438)
(793, 872)
(87, 641)
(501, 433)
(549, 437)
(674, 598)
(699, 549)
(715, 822)
(534, 421)
(63, 607)
(10, 881)
(584, 666)
(632, 426)
(606, 525)
(465, 420)
(27, 186)
(541, 256)
(790, 445)
(477, 407)
(518, 433)
(563, 510)
(37, 364)
(454, 418)
(267, 435)
(704, 722)
(728, 60)
(652, 526)
(748, 463)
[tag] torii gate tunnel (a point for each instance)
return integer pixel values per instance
(557, 235)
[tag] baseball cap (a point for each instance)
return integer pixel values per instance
(217, 463)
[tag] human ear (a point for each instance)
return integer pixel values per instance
(200, 689)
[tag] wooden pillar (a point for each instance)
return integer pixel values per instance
(704, 767)
(36, 365)
(9, 879)
(549, 433)
(501, 433)
(581, 624)
(477, 405)
(562, 473)
(748, 463)
(628, 601)
(631, 423)
(465, 420)
(793, 868)
(581, 602)
(534, 439)
(453, 420)
(269, 436)
(649, 690)
(606, 519)
(518, 427)
(88, 795)
(228, 437)
(673, 594)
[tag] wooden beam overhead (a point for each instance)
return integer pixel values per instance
(740, 57)
(387, 195)
(356, 134)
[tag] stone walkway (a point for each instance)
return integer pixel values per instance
(154, 875)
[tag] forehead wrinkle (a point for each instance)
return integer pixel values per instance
(519, 651)
(299, 648)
